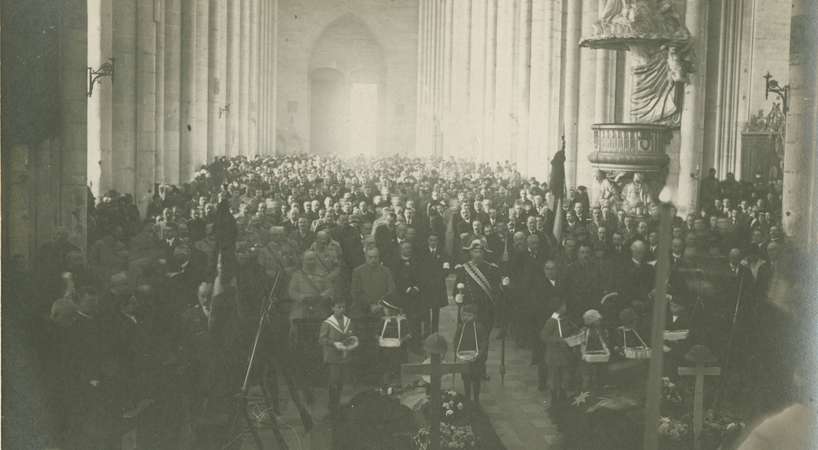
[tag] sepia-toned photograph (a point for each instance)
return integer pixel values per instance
(409, 224)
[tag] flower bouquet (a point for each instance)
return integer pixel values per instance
(453, 408)
(451, 437)
(674, 432)
(720, 429)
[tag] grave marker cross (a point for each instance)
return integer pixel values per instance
(436, 346)
(700, 356)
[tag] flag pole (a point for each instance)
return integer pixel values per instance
(557, 187)
(654, 388)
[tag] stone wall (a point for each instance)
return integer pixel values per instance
(747, 39)
(44, 123)
(392, 24)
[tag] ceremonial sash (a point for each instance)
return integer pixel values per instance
(478, 277)
(333, 322)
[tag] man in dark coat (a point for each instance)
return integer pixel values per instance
(435, 265)
(408, 294)
(585, 283)
(549, 291)
(637, 278)
(92, 387)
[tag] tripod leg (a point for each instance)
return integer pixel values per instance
(269, 387)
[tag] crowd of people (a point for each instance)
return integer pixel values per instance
(151, 327)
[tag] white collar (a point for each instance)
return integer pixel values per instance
(333, 322)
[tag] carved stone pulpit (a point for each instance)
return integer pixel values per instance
(632, 157)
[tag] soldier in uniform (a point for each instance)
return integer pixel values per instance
(479, 282)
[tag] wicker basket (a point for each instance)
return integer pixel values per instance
(676, 335)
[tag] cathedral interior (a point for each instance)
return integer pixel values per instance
(636, 105)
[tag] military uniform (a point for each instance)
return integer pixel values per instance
(486, 294)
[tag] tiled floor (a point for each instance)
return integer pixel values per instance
(515, 407)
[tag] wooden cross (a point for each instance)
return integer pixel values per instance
(700, 356)
(436, 346)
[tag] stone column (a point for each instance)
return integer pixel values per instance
(173, 64)
(572, 36)
(446, 72)
(503, 96)
(159, 13)
(490, 80)
(457, 121)
(159, 117)
(605, 64)
(522, 71)
(104, 96)
(146, 105)
(587, 89)
(73, 120)
(252, 118)
(201, 85)
(263, 7)
(477, 78)
(244, 79)
(188, 88)
(217, 66)
(799, 207)
(233, 75)
(273, 122)
(692, 126)
(435, 72)
(124, 96)
(421, 142)
(537, 101)
(556, 98)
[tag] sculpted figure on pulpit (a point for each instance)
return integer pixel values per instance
(605, 191)
(636, 195)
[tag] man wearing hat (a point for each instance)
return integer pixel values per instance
(479, 282)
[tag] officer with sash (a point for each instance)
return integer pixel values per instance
(479, 282)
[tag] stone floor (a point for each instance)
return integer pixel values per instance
(515, 407)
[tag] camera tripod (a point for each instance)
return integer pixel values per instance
(241, 421)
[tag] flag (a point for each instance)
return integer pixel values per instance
(557, 188)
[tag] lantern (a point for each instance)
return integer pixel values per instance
(634, 345)
(470, 349)
(569, 332)
(594, 349)
(392, 329)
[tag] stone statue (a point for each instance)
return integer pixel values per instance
(605, 191)
(657, 87)
(655, 34)
(636, 195)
